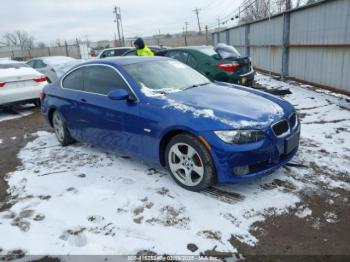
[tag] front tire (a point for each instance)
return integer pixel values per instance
(61, 130)
(189, 163)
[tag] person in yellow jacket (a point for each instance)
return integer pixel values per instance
(141, 48)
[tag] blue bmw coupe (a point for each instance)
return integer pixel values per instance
(164, 112)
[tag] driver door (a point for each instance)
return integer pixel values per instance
(112, 124)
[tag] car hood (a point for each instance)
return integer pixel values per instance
(236, 107)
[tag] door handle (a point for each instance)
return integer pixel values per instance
(83, 100)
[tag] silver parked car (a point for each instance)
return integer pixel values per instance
(53, 66)
(116, 51)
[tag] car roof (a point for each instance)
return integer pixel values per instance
(125, 60)
(189, 48)
(53, 57)
(116, 48)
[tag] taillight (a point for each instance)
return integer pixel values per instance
(42, 95)
(228, 67)
(2, 84)
(40, 79)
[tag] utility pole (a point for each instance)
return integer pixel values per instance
(218, 19)
(87, 40)
(121, 26)
(158, 38)
(196, 11)
(186, 25)
(206, 35)
(118, 20)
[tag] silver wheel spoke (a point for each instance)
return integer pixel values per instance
(199, 170)
(191, 152)
(176, 166)
(178, 153)
(188, 178)
(187, 168)
(58, 127)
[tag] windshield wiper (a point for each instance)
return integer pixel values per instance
(192, 86)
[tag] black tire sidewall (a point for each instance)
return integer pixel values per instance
(209, 176)
(67, 139)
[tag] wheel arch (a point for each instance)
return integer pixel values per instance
(167, 136)
(50, 114)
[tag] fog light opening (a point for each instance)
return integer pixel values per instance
(241, 170)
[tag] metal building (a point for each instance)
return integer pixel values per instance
(310, 44)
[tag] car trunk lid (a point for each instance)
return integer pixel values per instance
(19, 77)
(238, 65)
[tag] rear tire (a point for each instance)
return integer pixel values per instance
(61, 130)
(189, 163)
(37, 102)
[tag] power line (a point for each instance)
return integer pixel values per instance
(240, 9)
(224, 16)
(210, 4)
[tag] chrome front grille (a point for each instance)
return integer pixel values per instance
(293, 120)
(284, 126)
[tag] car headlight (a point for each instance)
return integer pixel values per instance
(240, 136)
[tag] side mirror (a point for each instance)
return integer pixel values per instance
(118, 94)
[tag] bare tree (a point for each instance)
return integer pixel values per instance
(256, 10)
(18, 39)
(58, 42)
(41, 44)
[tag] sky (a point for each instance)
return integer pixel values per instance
(48, 20)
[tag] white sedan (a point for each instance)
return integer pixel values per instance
(19, 83)
(53, 66)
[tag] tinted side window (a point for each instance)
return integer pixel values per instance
(39, 64)
(31, 63)
(108, 53)
(178, 55)
(74, 80)
(102, 80)
(130, 53)
(192, 61)
(119, 52)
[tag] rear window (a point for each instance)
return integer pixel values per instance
(13, 65)
(227, 51)
(221, 51)
(208, 51)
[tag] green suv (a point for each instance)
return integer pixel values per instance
(222, 63)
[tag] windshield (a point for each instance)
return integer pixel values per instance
(227, 51)
(165, 75)
(56, 61)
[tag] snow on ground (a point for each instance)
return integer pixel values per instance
(83, 200)
(17, 112)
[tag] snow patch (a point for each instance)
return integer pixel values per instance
(303, 212)
(10, 116)
(119, 201)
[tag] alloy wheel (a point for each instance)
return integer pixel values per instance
(186, 164)
(58, 126)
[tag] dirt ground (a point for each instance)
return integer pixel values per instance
(281, 238)
(16, 134)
